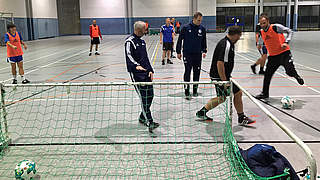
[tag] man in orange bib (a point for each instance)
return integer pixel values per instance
(279, 52)
(13, 39)
(95, 33)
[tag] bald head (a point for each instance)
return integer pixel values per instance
(139, 28)
(94, 22)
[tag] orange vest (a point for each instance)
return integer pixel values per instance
(147, 25)
(178, 24)
(273, 41)
(11, 52)
(95, 30)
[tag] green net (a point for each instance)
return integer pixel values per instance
(91, 131)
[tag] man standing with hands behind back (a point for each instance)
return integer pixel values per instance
(194, 46)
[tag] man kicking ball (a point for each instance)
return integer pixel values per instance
(221, 69)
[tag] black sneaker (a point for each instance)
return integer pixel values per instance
(14, 81)
(25, 81)
(152, 126)
(300, 80)
(253, 68)
(169, 62)
(262, 72)
(163, 63)
(195, 91)
(90, 54)
(97, 53)
(143, 122)
(262, 96)
(187, 94)
(202, 115)
(245, 121)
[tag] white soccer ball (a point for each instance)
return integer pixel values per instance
(287, 102)
(25, 170)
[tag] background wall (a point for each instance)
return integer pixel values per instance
(20, 16)
(110, 15)
(44, 22)
(114, 17)
(45, 18)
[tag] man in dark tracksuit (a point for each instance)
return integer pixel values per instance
(194, 48)
(140, 70)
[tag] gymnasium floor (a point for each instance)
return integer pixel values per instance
(65, 59)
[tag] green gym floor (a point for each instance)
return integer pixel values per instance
(65, 59)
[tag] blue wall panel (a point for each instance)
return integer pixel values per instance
(107, 25)
(125, 25)
(22, 27)
(42, 27)
(47, 27)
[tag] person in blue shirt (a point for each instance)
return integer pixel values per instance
(140, 69)
(194, 46)
(166, 38)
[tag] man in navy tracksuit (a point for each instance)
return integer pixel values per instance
(194, 48)
(140, 70)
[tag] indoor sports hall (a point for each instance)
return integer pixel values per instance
(78, 110)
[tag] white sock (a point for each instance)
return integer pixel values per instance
(14, 77)
(22, 77)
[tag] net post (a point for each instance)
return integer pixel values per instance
(312, 164)
(231, 104)
(3, 121)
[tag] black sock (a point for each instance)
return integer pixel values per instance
(261, 68)
(254, 65)
(204, 110)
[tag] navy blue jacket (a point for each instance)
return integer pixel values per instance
(136, 55)
(194, 39)
(265, 161)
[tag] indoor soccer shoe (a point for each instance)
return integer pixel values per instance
(245, 121)
(14, 81)
(253, 68)
(262, 96)
(143, 121)
(169, 61)
(187, 94)
(90, 54)
(300, 80)
(25, 81)
(202, 115)
(261, 72)
(163, 63)
(97, 53)
(152, 126)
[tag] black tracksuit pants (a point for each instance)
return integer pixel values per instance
(274, 62)
(192, 62)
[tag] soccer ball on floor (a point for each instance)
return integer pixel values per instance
(287, 102)
(25, 170)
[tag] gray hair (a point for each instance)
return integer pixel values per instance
(139, 25)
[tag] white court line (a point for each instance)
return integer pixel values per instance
(27, 62)
(50, 64)
(307, 67)
(154, 51)
(136, 98)
(289, 78)
(53, 63)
